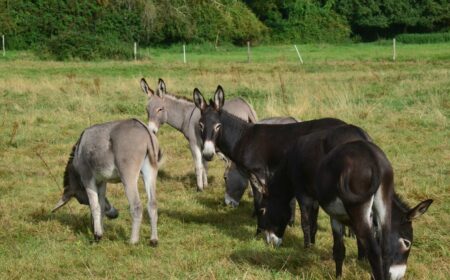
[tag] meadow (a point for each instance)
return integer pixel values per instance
(45, 105)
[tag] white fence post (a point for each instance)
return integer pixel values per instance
(184, 53)
(135, 51)
(3, 45)
(393, 47)
(248, 51)
(298, 53)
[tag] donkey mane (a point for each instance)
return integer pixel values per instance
(179, 98)
(400, 203)
(237, 125)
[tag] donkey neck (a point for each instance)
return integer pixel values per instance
(233, 128)
(177, 109)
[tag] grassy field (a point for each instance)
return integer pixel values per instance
(45, 105)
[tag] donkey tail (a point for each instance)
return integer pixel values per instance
(346, 193)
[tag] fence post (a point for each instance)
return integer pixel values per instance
(3, 45)
(248, 52)
(393, 47)
(298, 53)
(184, 53)
(135, 51)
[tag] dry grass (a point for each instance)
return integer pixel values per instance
(405, 106)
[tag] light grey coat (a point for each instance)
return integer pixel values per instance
(110, 153)
(184, 116)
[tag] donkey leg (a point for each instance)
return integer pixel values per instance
(132, 194)
(92, 192)
(198, 161)
(305, 204)
(205, 173)
(361, 217)
(149, 174)
(338, 245)
(292, 206)
(313, 220)
(102, 200)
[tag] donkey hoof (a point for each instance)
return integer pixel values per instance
(112, 213)
(199, 189)
(97, 238)
(154, 242)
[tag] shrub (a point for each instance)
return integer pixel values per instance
(425, 38)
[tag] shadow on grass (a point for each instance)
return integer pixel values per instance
(81, 224)
(190, 179)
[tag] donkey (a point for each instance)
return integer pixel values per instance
(354, 185)
(236, 181)
(110, 153)
(255, 148)
(183, 115)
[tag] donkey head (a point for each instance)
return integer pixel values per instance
(401, 236)
(156, 111)
(209, 123)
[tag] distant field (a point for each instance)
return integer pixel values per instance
(45, 105)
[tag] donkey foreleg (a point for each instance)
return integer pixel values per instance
(200, 171)
(149, 174)
(338, 245)
(92, 192)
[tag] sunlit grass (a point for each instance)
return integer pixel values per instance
(44, 106)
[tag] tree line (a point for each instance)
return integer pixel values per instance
(104, 28)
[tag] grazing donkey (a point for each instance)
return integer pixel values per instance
(114, 152)
(182, 115)
(255, 148)
(236, 181)
(354, 185)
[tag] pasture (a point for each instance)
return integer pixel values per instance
(45, 105)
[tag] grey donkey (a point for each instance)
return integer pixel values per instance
(183, 115)
(114, 152)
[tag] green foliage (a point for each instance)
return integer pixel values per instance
(372, 19)
(426, 38)
(301, 21)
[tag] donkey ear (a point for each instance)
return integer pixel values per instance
(219, 98)
(161, 88)
(146, 89)
(419, 209)
(199, 100)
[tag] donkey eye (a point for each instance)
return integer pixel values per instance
(217, 127)
(159, 110)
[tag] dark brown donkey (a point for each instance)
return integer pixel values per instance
(354, 185)
(255, 148)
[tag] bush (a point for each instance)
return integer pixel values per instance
(85, 46)
(426, 38)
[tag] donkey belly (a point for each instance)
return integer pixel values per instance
(337, 210)
(108, 174)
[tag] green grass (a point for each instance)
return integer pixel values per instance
(44, 106)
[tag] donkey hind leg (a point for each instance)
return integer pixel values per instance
(96, 212)
(306, 206)
(361, 217)
(132, 193)
(199, 167)
(338, 245)
(149, 174)
(314, 212)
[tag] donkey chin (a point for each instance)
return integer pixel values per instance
(272, 239)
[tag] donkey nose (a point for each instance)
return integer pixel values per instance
(153, 127)
(208, 150)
